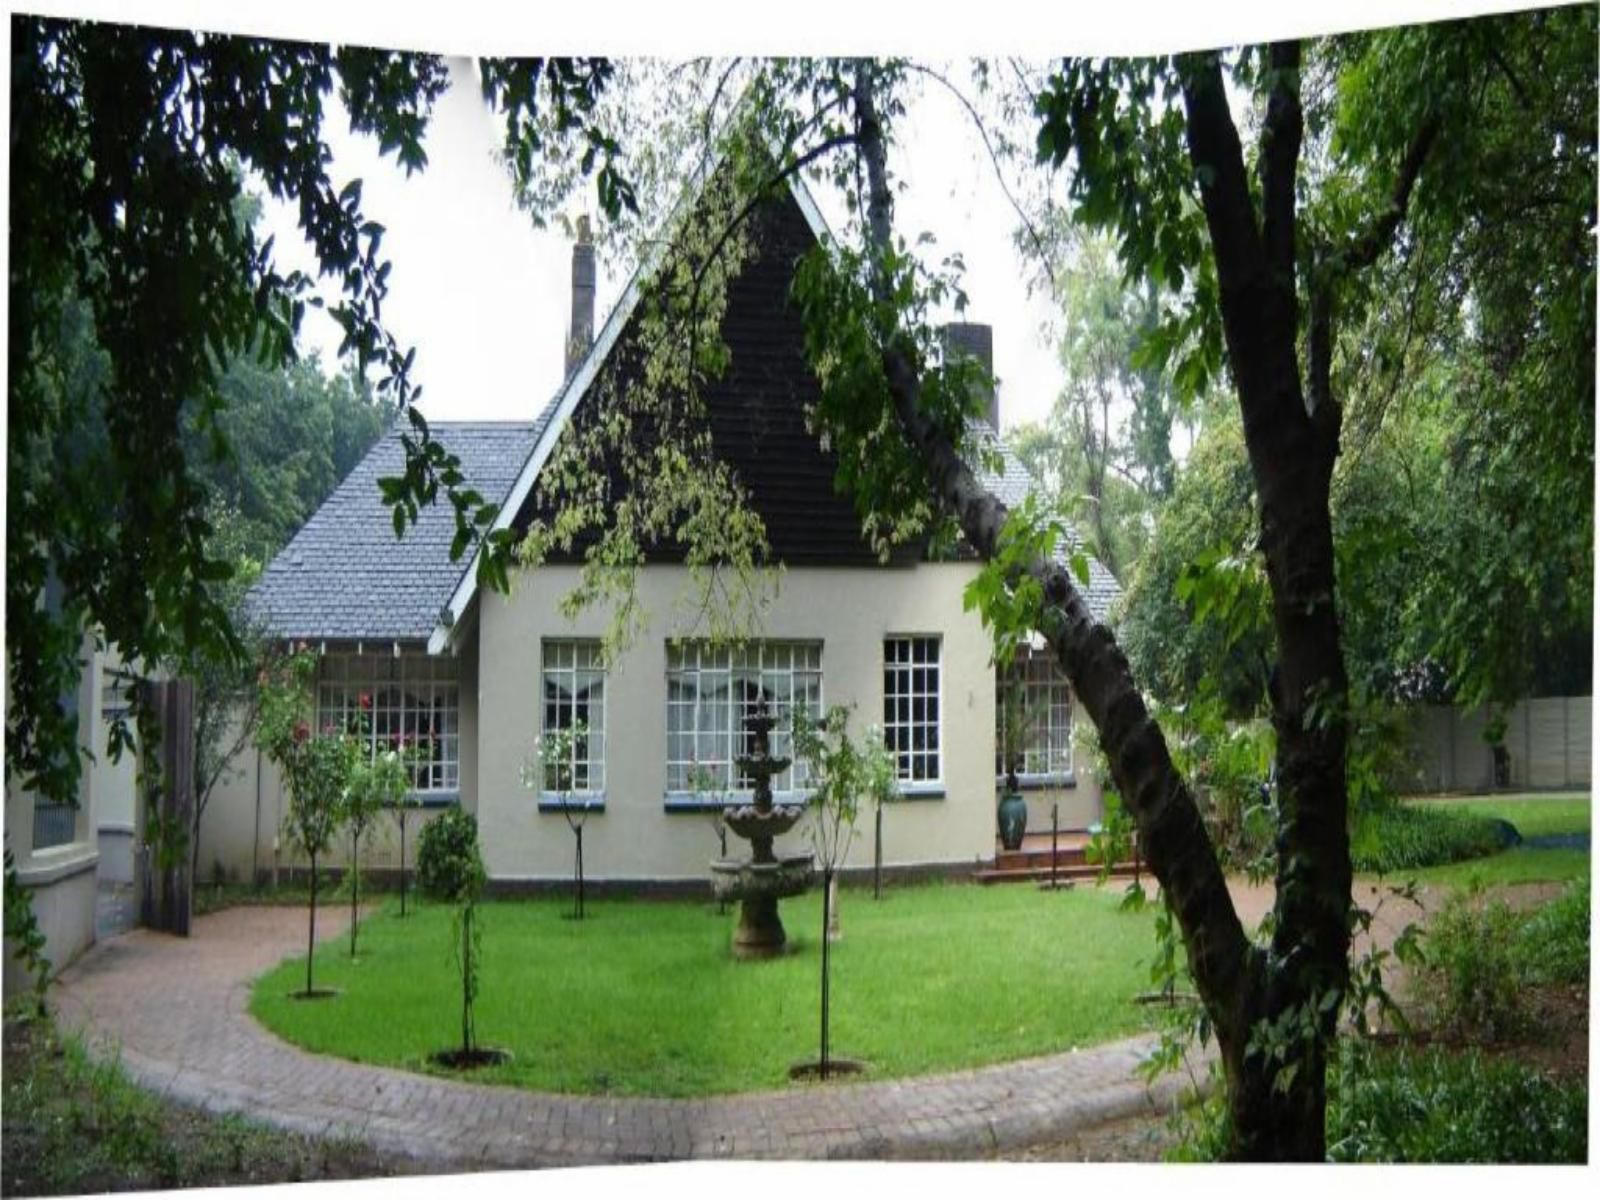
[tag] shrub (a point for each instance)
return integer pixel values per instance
(1416, 1106)
(449, 869)
(1553, 944)
(1473, 974)
(1408, 1105)
(1403, 837)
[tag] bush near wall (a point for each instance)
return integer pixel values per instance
(1403, 837)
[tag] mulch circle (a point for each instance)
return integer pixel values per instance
(811, 1072)
(321, 993)
(470, 1060)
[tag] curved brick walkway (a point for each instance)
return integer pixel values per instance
(176, 1011)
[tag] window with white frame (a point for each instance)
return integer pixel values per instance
(911, 707)
(574, 695)
(712, 690)
(1034, 691)
(413, 699)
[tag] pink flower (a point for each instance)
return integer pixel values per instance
(366, 701)
(301, 731)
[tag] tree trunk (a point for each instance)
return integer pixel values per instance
(355, 889)
(402, 863)
(311, 936)
(827, 914)
(1230, 974)
(467, 1038)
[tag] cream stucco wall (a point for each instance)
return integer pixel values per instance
(240, 836)
(61, 878)
(850, 611)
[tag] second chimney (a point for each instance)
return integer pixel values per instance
(581, 335)
(976, 341)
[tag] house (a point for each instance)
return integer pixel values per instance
(479, 675)
(69, 856)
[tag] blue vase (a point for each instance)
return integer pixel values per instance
(1013, 820)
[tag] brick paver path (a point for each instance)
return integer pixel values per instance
(176, 1011)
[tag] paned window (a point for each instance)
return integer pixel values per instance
(574, 695)
(415, 698)
(711, 690)
(911, 707)
(1034, 690)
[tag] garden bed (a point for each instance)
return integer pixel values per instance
(73, 1125)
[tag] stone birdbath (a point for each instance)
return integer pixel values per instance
(763, 879)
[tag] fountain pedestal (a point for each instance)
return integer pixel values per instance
(763, 879)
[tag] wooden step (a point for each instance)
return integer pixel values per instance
(1042, 874)
(1017, 860)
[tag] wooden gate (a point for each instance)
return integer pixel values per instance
(165, 816)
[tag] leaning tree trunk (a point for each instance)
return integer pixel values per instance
(1292, 453)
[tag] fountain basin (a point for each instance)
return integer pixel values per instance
(740, 879)
(750, 822)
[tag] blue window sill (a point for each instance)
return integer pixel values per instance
(434, 799)
(549, 802)
(688, 802)
(1033, 783)
(922, 791)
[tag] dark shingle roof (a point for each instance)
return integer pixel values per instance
(1011, 486)
(344, 575)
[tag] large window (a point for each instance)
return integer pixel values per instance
(575, 694)
(712, 690)
(1034, 691)
(911, 707)
(415, 697)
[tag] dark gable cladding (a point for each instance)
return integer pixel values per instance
(757, 409)
(345, 576)
(757, 413)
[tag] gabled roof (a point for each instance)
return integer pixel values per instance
(1012, 486)
(578, 383)
(344, 575)
(795, 514)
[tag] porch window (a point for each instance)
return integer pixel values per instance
(415, 697)
(574, 694)
(1046, 703)
(912, 708)
(712, 690)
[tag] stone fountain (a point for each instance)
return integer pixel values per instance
(763, 879)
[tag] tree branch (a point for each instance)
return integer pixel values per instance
(1218, 160)
(1363, 249)
(1034, 236)
(1279, 156)
(1359, 252)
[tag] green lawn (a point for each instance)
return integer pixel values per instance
(644, 998)
(1535, 815)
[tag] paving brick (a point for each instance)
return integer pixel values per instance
(198, 1043)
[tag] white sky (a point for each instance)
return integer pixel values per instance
(484, 295)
